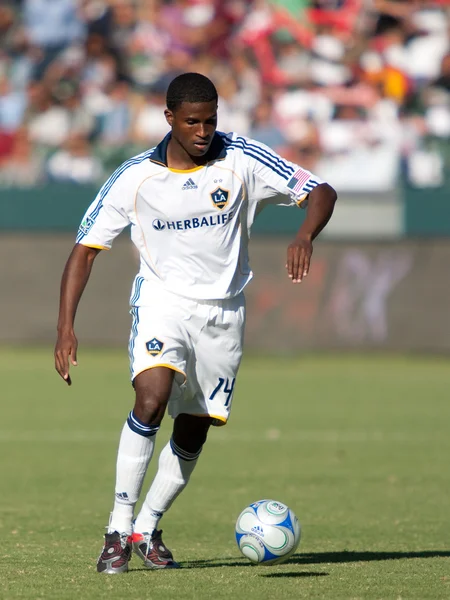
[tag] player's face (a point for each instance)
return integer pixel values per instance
(193, 126)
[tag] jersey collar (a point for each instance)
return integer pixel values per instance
(217, 150)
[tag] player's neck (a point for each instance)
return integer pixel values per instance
(177, 157)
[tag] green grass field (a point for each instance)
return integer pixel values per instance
(359, 447)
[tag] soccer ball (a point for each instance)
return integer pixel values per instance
(267, 532)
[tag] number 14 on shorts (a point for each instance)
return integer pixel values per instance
(228, 388)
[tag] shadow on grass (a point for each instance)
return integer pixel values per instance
(199, 565)
(317, 558)
(348, 556)
(295, 574)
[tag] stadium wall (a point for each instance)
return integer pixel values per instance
(404, 211)
(384, 295)
(60, 207)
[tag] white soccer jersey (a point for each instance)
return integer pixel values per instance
(192, 227)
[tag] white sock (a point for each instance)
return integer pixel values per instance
(137, 442)
(174, 470)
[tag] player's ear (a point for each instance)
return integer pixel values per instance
(169, 116)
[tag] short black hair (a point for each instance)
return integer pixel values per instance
(190, 87)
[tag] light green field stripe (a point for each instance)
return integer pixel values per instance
(331, 437)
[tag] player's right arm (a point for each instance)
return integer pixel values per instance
(106, 217)
(74, 279)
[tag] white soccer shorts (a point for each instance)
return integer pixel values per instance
(200, 340)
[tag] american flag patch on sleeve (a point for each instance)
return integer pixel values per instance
(298, 180)
(301, 184)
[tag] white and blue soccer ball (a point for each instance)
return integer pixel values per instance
(267, 532)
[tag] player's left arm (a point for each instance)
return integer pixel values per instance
(271, 179)
(321, 203)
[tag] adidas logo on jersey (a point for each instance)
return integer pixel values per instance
(189, 185)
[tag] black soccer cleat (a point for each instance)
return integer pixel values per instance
(116, 553)
(152, 550)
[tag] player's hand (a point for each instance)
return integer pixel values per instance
(66, 353)
(299, 258)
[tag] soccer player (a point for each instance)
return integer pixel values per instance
(191, 202)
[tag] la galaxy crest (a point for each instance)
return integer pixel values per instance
(154, 347)
(220, 197)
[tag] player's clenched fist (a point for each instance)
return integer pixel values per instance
(299, 258)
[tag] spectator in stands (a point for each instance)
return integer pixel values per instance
(114, 143)
(429, 44)
(115, 120)
(146, 48)
(52, 26)
(248, 81)
(48, 123)
(67, 94)
(443, 79)
(12, 106)
(149, 123)
(8, 27)
(75, 162)
(97, 16)
(231, 116)
(101, 64)
(264, 127)
(22, 167)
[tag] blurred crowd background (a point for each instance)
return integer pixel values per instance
(356, 90)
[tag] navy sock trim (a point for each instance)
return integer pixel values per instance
(182, 453)
(139, 427)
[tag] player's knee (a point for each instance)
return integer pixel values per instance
(190, 432)
(150, 408)
(152, 395)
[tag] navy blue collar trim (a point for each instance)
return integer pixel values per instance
(217, 150)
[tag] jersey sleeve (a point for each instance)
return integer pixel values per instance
(272, 179)
(108, 214)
